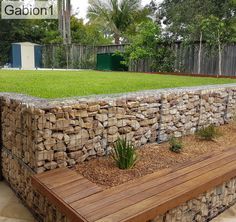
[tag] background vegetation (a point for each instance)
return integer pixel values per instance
(147, 28)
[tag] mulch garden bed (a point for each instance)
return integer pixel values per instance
(155, 157)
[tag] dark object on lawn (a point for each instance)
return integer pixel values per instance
(176, 145)
(208, 133)
(110, 62)
(124, 154)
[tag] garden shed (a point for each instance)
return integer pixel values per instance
(110, 62)
(26, 55)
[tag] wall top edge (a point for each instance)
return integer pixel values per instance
(40, 103)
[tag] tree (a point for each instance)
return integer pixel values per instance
(180, 16)
(186, 20)
(216, 34)
(116, 16)
(149, 43)
(87, 33)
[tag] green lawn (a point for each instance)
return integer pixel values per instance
(58, 84)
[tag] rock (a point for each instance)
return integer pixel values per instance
(40, 170)
(80, 106)
(83, 158)
(112, 122)
(59, 146)
(112, 130)
(51, 117)
(102, 117)
(92, 152)
(49, 143)
(71, 129)
(177, 134)
(44, 155)
(51, 165)
(122, 123)
(60, 156)
(75, 155)
(113, 138)
(58, 136)
(134, 124)
(87, 125)
(81, 113)
(62, 124)
(40, 147)
(93, 108)
(133, 104)
(41, 122)
(124, 130)
(140, 116)
(47, 133)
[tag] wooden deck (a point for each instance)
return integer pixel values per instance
(139, 200)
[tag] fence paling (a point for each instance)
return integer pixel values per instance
(187, 58)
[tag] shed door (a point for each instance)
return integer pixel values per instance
(27, 55)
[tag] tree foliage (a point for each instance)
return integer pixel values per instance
(88, 33)
(150, 43)
(182, 17)
(116, 16)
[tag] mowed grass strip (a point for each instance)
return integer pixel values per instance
(60, 84)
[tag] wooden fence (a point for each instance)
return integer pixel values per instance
(75, 56)
(186, 58)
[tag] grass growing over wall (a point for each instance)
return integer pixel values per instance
(59, 84)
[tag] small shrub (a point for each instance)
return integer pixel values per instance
(176, 145)
(208, 133)
(124, 154)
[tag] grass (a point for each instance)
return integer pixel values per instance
(59, 84)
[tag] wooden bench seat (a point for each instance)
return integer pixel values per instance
(139, 200)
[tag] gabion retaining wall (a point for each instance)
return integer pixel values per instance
(205, 207)
(40, 135)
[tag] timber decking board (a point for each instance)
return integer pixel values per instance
(147, 201)
(140, 200)
(153, 188)
(147, 180)
(50, 186)
(76, 186)
(170, 198)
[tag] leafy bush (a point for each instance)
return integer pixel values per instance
(149, 44)
(124, 154)
(176, 145)
(208, 133)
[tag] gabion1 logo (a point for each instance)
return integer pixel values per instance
(29, 9)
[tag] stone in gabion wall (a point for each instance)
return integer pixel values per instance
(49, 134)
(185, 112)
(72, 134)
(200, 209)
(205, 207)
(40, 135)
(18, 175)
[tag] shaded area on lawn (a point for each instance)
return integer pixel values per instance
(60, 84)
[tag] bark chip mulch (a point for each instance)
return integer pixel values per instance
(155, 157)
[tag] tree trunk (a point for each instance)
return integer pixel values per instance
(220, 54)
(200, 55)
(117, 39)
